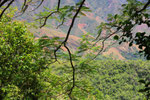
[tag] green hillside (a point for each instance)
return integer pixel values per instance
(71, 50)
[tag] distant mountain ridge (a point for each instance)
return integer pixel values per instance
(88, 23)
(100, 10)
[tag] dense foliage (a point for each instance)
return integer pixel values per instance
(21, 60)
(46, 68)
(118, 80)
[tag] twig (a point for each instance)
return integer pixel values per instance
(61, 23)
(145, 6)
(6, 8)
(2, 3)
(46, 18)
(38, 5)
(69, 52)
(103, 44)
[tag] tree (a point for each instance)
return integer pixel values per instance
(133, 14)
(22, 60)
(122, 24)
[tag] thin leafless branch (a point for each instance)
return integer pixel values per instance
(69, 52)
(46, 18)
(145, 6)
(103, 44)
(61, 23)
(3, 2)
(38, 5)
(6, 8)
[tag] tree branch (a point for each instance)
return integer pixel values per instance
(69, 52)
(145, 6)
(46, 18)
(38, 5)
(61, 23)
(103, 43)
(3, 2)
(6, 8)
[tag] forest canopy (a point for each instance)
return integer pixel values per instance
(39, 68)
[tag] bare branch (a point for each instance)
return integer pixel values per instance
(103, 44)
(69, 52)
(24, 4)
(145, 6)
(38, 5)
(73, 20)
(6, 8)
(58, 6)
(46, 18)
(61, 23)
(73, 70)
(3, 2)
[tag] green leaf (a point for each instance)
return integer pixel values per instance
(147, 84)
(116, 37)
(142, 81)
(130, 44)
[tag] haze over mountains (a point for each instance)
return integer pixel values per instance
(100, 10)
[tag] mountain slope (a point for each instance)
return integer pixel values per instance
(88, 23)
(121, 52)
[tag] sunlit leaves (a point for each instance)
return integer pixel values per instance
(22, 60)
